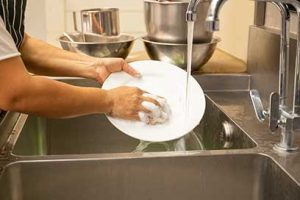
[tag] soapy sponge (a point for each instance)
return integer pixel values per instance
(158, 114)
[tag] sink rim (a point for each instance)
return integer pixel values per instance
(259, 149)
(142, 156)
(24, 117)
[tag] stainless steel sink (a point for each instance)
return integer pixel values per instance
(95, 134)
(212, 177)
(87, 158)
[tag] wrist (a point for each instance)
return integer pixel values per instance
(92, 71)
(109, 102)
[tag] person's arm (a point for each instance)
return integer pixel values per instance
(43, 59)
(22, 92)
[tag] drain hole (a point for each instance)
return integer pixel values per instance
(226, 134)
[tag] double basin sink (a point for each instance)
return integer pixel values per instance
(88, 158)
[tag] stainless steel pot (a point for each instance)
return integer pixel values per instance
(165, 21)
(175, 53)
(97, 45)
(102, 21)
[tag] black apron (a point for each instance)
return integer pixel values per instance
(13, 13)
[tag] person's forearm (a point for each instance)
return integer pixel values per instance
(43, 59)
(42, 96)
(54, 99)
(21, 92)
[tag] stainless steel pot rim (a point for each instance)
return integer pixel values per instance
(104, 9)
(170, 2)
(129, 38)
(213, 41)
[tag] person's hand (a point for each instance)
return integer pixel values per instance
(127, 102)
(105, 66)
(135, 104)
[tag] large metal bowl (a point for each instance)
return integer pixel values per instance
(98, 46)
(166, 21)
(177, 53)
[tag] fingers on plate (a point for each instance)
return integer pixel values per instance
(158, 111)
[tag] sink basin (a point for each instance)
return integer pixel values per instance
(213, 177)
(95, 134)
(55, 170)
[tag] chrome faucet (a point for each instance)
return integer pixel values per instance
(278, 113)
(212, 19)
(191, 13)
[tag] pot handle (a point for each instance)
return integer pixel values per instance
(75, 21)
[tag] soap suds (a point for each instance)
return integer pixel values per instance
(158, 114)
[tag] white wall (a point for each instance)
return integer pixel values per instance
(45, 19)
(273, 19)
(55, 16)
(235, 18)
(49, 18)
(35, 19)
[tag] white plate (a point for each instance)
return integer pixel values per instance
(168, 81)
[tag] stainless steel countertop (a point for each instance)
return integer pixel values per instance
(237, 105)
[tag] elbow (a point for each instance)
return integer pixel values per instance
(12, 102)
(15, 83)
(14, 98)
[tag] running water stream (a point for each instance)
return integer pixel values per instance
(190, 33)
(180, 144)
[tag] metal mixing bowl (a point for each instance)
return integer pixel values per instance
(98, 46)
(177, 53)
(166, 21)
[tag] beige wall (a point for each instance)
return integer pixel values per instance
(35, 22)
(55, 16)
(273, 19)
(45, 19)
(235, 18)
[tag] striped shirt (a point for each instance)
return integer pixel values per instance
(12, 14)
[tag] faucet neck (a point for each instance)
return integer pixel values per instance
(191, 13)
(213, 15)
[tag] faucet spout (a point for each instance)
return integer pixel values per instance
(212, 19)
(191, 13)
